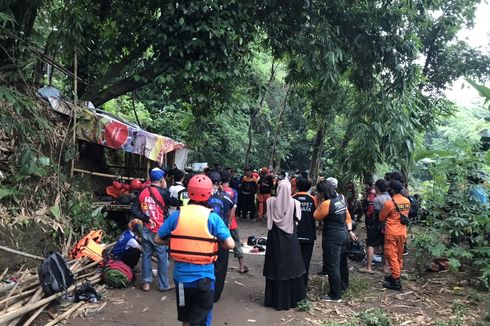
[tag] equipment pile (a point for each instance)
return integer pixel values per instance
(30, 291)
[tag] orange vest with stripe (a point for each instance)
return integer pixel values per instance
(191, 241)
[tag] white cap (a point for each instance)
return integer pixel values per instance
(334, 182)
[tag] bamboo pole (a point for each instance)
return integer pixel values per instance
(105, 175)
(35, 314)
(21, 253)
(65, 314)
(75, 82)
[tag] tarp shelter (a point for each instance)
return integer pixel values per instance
(102, 128)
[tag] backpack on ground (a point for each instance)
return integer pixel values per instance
(116, 274)
(54, 274)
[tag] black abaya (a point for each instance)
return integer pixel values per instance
(284, 270)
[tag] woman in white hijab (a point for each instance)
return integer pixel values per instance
(283, 267)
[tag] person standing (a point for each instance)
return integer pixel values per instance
(307, 225)
(395, 233)
(246, 193)
(283, 267)
(151, 207)
(221, 204)
(237, 251)
(374, 228)
(177, 190)
(195, 233)
(265, 189)
(337, 229)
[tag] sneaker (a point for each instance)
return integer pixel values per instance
(328, 299)
(405, 251)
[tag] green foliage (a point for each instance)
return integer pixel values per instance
(304, 305)
(374, 317)
(482, 89)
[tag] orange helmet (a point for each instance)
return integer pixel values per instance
(136, 184)
(200, 188)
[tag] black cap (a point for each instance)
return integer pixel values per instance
(215, 177)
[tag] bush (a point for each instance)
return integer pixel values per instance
(458, 226)
(374, 317)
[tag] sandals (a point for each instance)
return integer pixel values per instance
(245, 270)
(145, 287)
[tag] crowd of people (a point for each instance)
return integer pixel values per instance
(194, 221)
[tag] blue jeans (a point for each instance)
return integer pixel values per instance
(149, 246)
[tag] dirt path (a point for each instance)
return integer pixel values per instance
(423, 302)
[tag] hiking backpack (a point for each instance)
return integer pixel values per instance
(116, 274)
(54, 275)
(414, 207)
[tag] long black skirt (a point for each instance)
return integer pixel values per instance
(284, 270)
(284, 295)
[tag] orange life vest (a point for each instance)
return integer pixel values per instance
(191, 241)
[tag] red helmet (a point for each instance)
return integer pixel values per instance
(117, 184)
(200, 188)
(136, 184)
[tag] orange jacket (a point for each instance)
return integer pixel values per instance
(191, 241)
(391, 217)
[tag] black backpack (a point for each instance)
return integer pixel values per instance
(54, 275)
(414, 207)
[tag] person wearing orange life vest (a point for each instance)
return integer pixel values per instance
(151, 207)
(395, 233)
(194, 234)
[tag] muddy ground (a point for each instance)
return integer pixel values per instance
(437, 300)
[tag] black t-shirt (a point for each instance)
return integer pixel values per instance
(265, 184)
(306, 231)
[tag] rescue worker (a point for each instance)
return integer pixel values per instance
(151, 207)
(221, 204)
(194, 233)
(246, 195)
(306, 230)
(127, 248)
(265, 189)
(395, 233)
(337, 230)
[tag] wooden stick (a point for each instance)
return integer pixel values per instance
(66, 314)
(17, 296)
(4, 273)
(35, 314)
(105, 175)
(21, 253)
(15, 288)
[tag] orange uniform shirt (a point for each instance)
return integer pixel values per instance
(322, 211)
(391, 217)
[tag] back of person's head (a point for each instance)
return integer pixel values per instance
(225, 176)
(396, 186)
(215, 177)
(387, 176)
(334, 182)
(303, 184)
(398, 176)
(178, 175)
(368, 180)
(381, 185)
(326, 189)
(304, 174)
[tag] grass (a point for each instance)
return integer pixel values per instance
(374, 317)
(358, 287)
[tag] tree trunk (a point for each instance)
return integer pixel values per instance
(316, 155)
(255, 112)
(273, 158)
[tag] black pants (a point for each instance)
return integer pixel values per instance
(131, 257)
(246, 204)
(336, 262)
(220, 269)
(306, 252)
